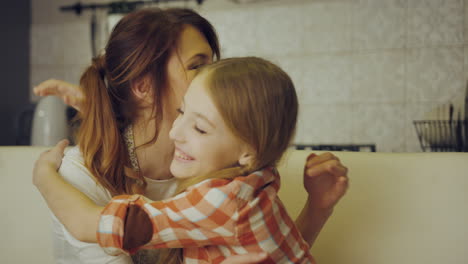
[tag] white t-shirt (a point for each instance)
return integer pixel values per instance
(67, 249)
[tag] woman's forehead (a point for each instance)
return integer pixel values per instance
(192, 43)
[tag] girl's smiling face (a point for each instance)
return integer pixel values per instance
(203, 142)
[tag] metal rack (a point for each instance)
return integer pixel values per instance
(338, 147)
(442, 135)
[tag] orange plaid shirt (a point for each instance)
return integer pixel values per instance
(213, 219)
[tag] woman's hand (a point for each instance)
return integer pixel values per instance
(69, 93)
(48, 161)
(325, 179)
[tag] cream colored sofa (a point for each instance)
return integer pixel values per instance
(400, 208)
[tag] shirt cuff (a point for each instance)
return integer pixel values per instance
(111, 228)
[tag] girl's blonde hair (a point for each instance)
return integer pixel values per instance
(258, 103)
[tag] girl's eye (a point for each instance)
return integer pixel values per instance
(199, 130)
(179, 110)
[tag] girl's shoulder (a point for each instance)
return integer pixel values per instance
(261, 181)
(242, 187)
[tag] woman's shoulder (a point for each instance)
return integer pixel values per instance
(73, 164)
(74, 171)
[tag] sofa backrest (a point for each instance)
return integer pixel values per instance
(405, 208)
(400, 208)
(25, 222)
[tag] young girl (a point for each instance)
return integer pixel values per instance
(236, 120)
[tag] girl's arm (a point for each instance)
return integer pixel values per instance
(73, 209)
(201, 216)
(243, 212)
(70, 94)
(326, 181)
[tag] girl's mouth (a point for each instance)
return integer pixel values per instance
(182, 156)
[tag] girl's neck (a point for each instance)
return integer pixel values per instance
(154, 159)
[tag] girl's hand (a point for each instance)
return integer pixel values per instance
(325, 179)
(49, 160)
(69, 93)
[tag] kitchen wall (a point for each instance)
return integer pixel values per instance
(364, 69)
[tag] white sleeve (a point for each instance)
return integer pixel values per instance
(74, 171)
(67, 249)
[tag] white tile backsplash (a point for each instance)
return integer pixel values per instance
(465, 24)
(231, 23)
(325, 26)
(326, 78)
(379, 24)
(76, 37)
(380, 124)
(45, 44)
(379, 76)
(324, 124)
(276, 30)
(435, 22)
(434, 74)
(363, 69)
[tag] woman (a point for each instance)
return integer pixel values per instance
(130, 98)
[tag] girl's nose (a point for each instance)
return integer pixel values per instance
(175, 134)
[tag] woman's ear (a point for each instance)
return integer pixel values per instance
(142, 89)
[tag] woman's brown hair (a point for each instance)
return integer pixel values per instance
(139, 46)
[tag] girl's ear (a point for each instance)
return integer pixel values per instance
(142, 89)
(247, 159)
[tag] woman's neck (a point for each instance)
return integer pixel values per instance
(154, 159)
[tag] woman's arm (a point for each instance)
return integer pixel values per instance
(326, 181)
(74, 209)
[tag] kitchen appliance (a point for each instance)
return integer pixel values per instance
(50, 123)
